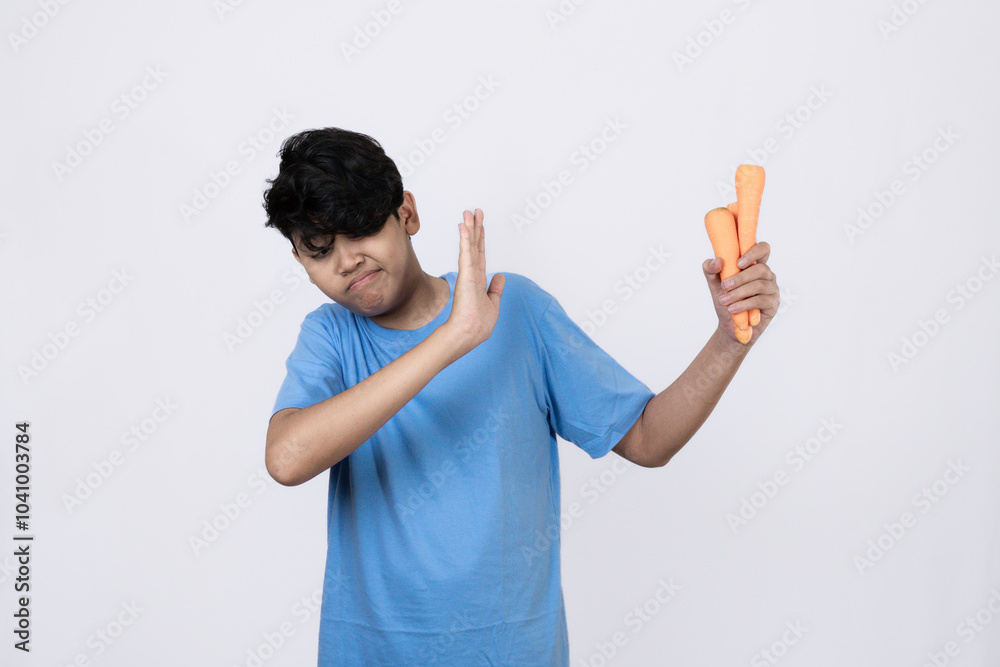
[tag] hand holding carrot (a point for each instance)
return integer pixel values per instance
(753, 287)
(739, 284)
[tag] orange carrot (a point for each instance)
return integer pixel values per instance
(734, 209)
(749, 190)
(721, 228)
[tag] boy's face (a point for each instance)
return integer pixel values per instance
(342, 272)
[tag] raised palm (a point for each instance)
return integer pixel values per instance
(475, 308)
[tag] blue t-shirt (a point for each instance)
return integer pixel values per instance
(443, 527)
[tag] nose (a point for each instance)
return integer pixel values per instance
(347, 257)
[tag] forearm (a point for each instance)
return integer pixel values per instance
(674, 415)
(316, 438)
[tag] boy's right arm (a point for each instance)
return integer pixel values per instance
(302, 443)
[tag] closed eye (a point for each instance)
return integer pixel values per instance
(324, 251)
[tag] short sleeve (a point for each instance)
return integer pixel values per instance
(592, 400)
(313, 370)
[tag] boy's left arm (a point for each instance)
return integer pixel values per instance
(674, 415)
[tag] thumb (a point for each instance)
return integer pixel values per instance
(712, 267)
(496, 287)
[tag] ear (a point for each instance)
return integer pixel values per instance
(406, 214)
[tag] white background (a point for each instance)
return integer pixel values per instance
(851, 297)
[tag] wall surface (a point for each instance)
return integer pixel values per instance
(838, 507)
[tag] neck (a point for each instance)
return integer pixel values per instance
(424, 302)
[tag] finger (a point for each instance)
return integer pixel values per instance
(759, 252)
(496, 287)
(482, 244)
(482, 239)
(762, 302)
(748, 276)
(751, 290)
(477, 262)
(712, 266)
(470, 221)
(474, 260)
(463, 244)
(465, 221)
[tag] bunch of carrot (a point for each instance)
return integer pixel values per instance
(733, 230)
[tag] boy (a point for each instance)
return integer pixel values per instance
(436, 409)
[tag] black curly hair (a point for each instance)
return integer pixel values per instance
(332, 181)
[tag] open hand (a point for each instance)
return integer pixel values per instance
(474, 309)
(753, 287)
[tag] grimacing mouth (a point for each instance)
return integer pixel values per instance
(361, 276)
